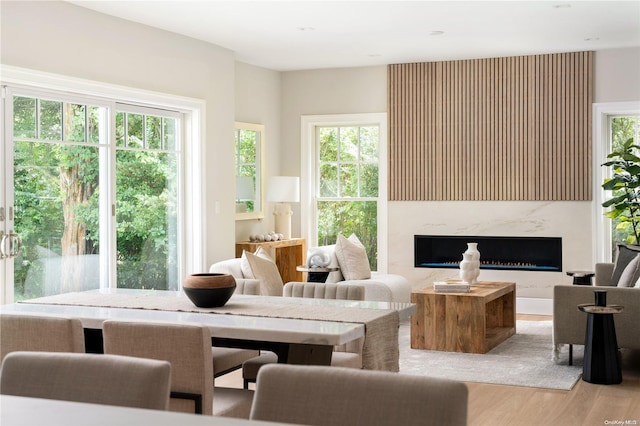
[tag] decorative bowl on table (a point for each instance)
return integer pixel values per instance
(209, 290)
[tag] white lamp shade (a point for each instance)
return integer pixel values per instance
(284, 189)
(244, 188)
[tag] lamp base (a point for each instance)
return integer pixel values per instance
(282, 219)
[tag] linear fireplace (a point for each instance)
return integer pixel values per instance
(506, 253)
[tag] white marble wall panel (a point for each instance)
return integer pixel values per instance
(572, 221)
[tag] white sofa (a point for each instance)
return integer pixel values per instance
(380, 287)
(232, 267)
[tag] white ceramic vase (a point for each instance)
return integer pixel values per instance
(474, 255)
(467, 268)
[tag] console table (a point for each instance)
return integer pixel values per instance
(474, 322)
(288, 255)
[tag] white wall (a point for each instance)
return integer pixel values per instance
(326, 91)
(617, 73)
(258, 101)
(61, 38)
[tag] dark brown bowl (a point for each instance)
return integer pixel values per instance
(209, 290)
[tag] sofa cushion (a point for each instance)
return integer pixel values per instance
(352, 257)
(631, 273)
(267, 272)
(626, 253)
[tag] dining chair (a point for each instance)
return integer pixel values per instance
(39, 333)
(100, 379)
(318, 395)
(349, 355)
(188, 349)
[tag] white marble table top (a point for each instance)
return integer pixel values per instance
(223, 326)
(22, 411)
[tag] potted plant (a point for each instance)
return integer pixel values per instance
(625, 186)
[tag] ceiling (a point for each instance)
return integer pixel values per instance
(295, 35)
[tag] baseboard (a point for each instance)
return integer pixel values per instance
(534, 306)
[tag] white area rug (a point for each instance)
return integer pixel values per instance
(525, 359)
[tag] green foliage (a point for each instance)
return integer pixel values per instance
(348, 186)
(625, 186)
(146, 189)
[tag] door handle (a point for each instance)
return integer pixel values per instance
(2, 241)
(15, 244)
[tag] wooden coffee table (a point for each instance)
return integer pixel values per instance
(474, 322)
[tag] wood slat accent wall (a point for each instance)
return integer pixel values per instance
(516, 128)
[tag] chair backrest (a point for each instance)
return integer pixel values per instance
(100, 379)
(315, 395)
(329, 291)
(323, 291)
(39, 333)
(186, 347)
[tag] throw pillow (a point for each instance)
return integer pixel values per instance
(267, 272)
(626, 253)
(630, 274)
(246, 267)
(352, 257)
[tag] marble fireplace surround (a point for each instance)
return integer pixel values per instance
(570, 220)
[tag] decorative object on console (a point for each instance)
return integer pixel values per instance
(209, 290)
(272, 236)
(283, 190)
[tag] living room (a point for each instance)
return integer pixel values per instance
(81, 45)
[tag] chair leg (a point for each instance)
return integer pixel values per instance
(570, 354)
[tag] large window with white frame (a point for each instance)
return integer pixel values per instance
(346, 181)
(93, 195)
(614, 123)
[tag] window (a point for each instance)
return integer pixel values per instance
(622, 128)
(94, 189)
(348, 181)
(249, 141)
(613, 124)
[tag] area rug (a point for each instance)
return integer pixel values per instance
(525, 359)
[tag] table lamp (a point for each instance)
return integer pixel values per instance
(283, 190)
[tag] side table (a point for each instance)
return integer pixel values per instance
(316, 275)
(601, 364)
(581, 277)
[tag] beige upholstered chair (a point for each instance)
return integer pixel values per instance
(100, 379)
(188, 349)
(36, 333)
(314, 395)
(349, 355)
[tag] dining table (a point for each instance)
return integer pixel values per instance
(298, 330)
(26, 411)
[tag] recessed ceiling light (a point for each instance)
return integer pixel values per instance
(374, 55)
(306, 29)
(592, 39)
(561, 6)
(436, 33)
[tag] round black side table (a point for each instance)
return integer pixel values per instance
(601, 364)
(581, 277)
(316, 275)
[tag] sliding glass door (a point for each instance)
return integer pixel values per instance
(90, 195)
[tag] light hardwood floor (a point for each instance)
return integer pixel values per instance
(585, 405)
